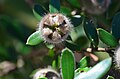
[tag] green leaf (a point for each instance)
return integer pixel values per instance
(102, 55)
(98, 71)
(84, 62)
(91, 32)
(74, 3)
(116, 26)
(79, 37)
(56, 63)
(67, 64)
(65, 10)
(76, 20)
(39, 11)
(71, 45)
(107, 38)
(110, 77)
(42, 78)
(80, 70)
(54, 6)
(50, 46)
(34, 38)
(51, 52)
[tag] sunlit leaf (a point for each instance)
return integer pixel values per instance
(107, 38)
(54, 6)
(34, 39)
(98, 71)
(67, 64)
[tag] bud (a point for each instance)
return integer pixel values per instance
(55, 28)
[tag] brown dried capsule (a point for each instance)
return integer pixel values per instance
(55, 28)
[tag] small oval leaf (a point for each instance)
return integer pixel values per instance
(76, 20)
(54, 6)
(67, 64)
(34, 38)
(91, 32)
(84, 62)
(102, 55)
(107, 38)
(39, 11)
(98, 71)
(116, 26)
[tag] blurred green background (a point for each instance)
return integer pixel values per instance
(17, 22)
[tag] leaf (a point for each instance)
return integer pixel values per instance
(39, 11)
(67, 64)
(75, 3)
(84, 62)
(102, 55)
(98, 71)
(51, 52)
(71, 45)
(50, 46)
(79, 37)
(54, 6)
(56, 63)
(34, 38)
(113, 8)
(107, 38)
(76, 20)
(116, 26)
(110, 77)
(80, 70)
(42, 78)
(91, 32)
(65, 10)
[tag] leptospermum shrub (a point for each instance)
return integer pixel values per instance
(78, 35)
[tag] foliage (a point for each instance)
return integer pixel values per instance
(98, 32)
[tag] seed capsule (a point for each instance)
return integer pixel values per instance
(55, 28)
(48, 73)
